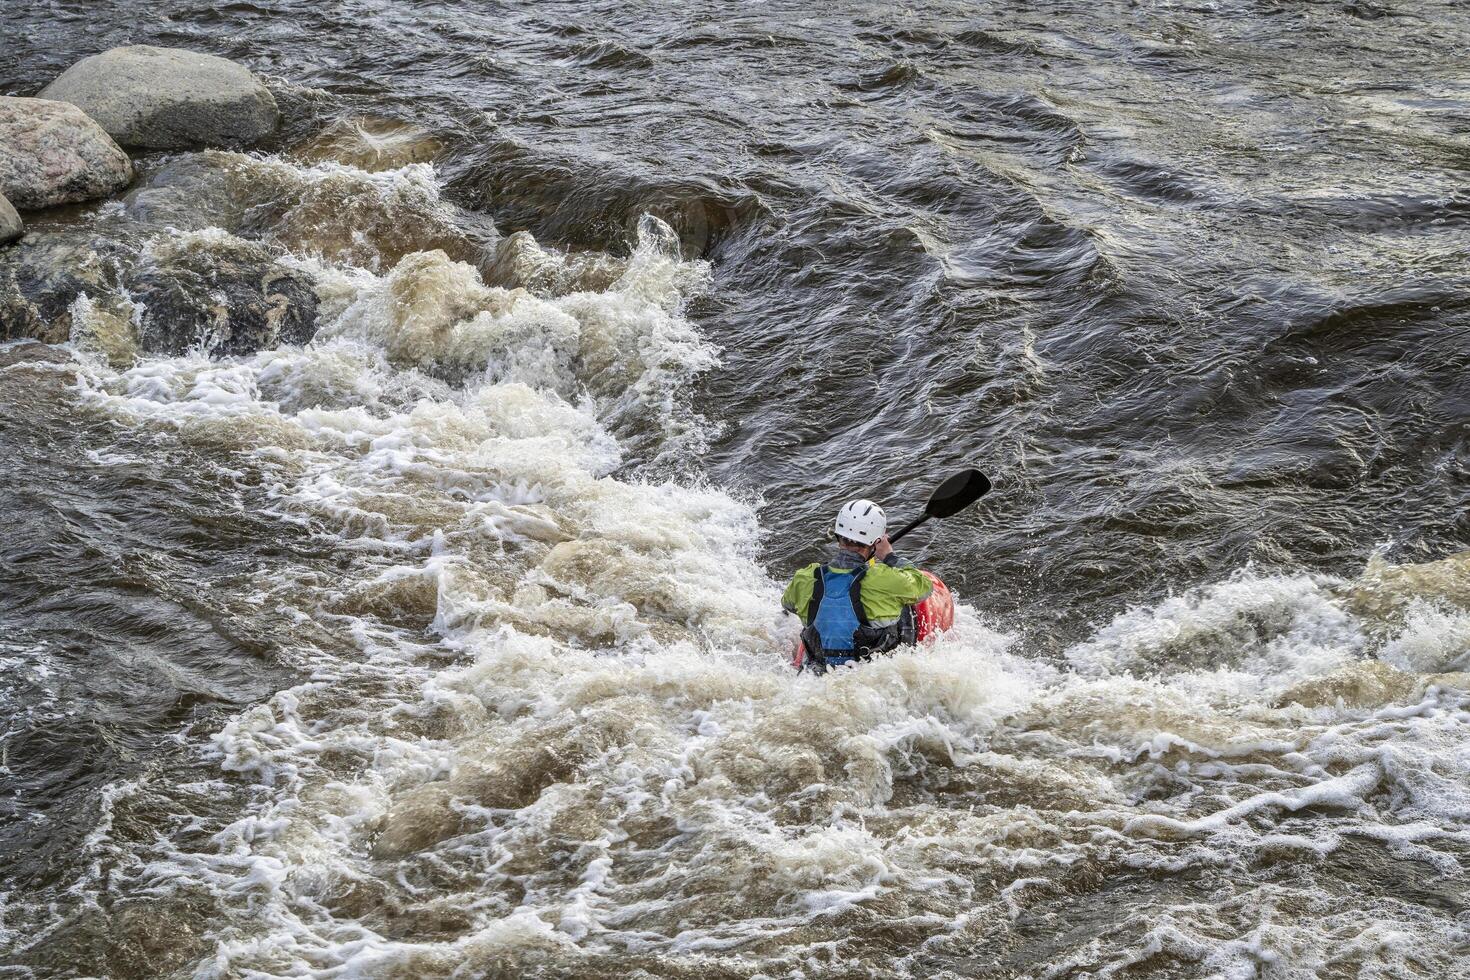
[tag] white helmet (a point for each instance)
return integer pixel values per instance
(862, 521)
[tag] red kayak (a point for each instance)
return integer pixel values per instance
(936, 613)
(933, 616)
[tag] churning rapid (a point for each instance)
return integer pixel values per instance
(441, 635)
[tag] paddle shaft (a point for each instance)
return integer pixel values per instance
(893, 538)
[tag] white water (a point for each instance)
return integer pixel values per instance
(557, 731)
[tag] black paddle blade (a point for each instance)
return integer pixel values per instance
(957, 493)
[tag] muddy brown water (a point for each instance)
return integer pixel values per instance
(447, 644)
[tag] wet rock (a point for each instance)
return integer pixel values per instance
(41, 276)
(222, 294)
(51, 153)
(106, 327)
(195, 191)
(168, 98)
(11, 227)
(209, 291)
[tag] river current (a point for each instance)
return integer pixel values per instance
(448, 644)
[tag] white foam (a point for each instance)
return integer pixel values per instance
(1432, 639)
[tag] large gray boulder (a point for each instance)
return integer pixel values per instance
(168, 98)
(51, 153)
(11, 226)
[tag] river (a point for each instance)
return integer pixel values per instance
(449, 644)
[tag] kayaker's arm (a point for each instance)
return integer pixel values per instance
(909, 586)
(902, 581)
(798, 594)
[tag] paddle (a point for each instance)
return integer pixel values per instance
(952, 496)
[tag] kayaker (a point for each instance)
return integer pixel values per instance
(861, 602)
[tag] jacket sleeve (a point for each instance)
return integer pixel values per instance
(905, 582)
(798, 594)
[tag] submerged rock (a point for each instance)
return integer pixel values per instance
(41, 276)
(1366, 684)
(168, 98)
(371, 144)
(341, 213)
(51, 153)
(206, 291)
(11, 227)
(222, 294)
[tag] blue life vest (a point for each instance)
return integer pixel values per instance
(838, 595)
(837, 627)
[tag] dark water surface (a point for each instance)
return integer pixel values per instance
(447, 643)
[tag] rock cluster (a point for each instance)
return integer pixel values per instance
(65, 146)
(168, 293)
